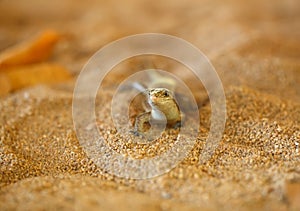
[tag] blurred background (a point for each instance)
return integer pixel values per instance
(253, 43)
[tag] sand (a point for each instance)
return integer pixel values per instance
(255, 166)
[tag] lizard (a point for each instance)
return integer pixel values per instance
(163, 107)
(161, 103)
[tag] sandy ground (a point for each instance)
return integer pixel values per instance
(253, 46)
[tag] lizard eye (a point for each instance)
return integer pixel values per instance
(166, 94)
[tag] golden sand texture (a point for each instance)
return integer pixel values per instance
(255, 49)
(258, 153)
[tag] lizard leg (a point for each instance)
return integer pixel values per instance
(142, 123)
(179, 123)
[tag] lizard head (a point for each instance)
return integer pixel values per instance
(160, 97)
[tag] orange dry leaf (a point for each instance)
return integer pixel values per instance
(23, 76)
(29, 52)
(4, 84)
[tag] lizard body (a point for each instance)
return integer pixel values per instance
(163, 107)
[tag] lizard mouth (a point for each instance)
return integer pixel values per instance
(153, 99)
(157, 101)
